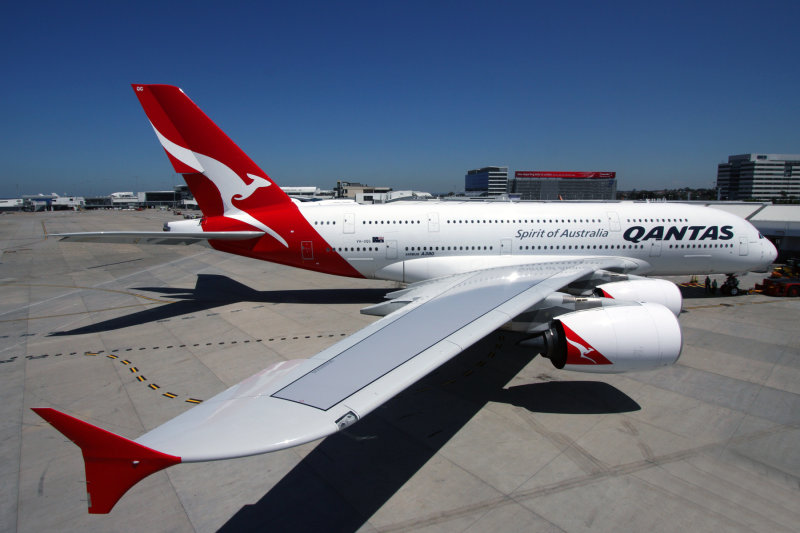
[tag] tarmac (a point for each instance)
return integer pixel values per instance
(127, 337)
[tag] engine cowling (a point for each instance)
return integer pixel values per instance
(614, 339)
(658, 291)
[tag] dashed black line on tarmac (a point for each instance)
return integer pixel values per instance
(135, 370)
(195, 345)
(92, 353)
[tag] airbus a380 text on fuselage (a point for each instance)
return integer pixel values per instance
(568, 275)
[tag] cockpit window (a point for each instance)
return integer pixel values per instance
(760, 236)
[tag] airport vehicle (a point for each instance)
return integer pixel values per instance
(781, 287)
(789, 270)
(567, 274)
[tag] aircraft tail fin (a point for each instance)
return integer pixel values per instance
(113, 463)
(217, 171)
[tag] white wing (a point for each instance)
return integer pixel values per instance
(298, 401)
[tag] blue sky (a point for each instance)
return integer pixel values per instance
(406, 94)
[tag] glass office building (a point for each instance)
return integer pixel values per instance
(759, 177)
(486, 181)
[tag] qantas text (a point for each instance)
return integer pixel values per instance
(638, 233)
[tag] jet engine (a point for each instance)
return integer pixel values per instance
(612, 339)
(659, 291)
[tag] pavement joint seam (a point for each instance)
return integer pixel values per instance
(520, 497)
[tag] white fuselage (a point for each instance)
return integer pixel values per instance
(413, 241)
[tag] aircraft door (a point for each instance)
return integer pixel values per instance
(613, 220)
(505, 247)
(742, 245)
(433, 222)
(391, 249)
(349, 225)
(307, 250)
(655, 248)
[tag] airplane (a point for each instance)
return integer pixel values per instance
(571, 277)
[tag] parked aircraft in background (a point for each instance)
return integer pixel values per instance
(568, 274)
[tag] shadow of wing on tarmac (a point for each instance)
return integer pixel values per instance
(213, 290)
(349, 476)
(568, 397)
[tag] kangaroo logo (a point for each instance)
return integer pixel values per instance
(229, 184)
(583, 350)
(580, 352)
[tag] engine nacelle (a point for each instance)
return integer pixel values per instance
(658, 291)
(614, 339)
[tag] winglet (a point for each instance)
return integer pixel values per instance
(114, 464)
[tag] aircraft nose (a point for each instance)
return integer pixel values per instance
(770, 252)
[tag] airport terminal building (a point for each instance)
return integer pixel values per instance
(544, 185)
(759, 177)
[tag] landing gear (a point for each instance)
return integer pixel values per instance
(731, 286)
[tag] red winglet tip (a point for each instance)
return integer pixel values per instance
(113, 463)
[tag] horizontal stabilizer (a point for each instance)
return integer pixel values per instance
(113, 464)
(158, 237)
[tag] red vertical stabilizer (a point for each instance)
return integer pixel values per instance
(113, 464)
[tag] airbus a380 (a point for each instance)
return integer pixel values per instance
(570, 275)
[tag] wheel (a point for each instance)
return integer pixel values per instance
(734, 291)
(793, 292)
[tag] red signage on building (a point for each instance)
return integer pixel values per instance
(544, 174)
